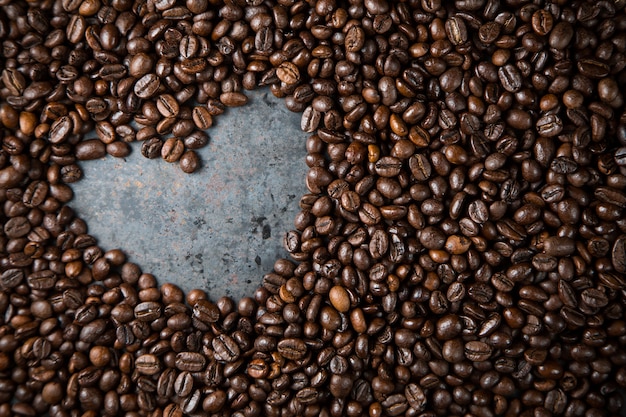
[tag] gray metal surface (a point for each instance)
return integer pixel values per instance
(219, 229)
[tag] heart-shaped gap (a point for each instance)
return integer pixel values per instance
(220, 229)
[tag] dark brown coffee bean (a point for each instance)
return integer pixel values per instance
(611, 196)
(167, 105)
(11, 278)
(561, 35)
(618, 254)
(206, 311)
(369, 214)
(147, 364)
(147, 86)
(151, 148)
(456, 30)
(90, 149)
(214, 401)
(420, 167)
(549, 126)
(592, 68)
(233, 99)
(288, 73)
(293, 349)
(477, 351)
(17, 227)
(172, 150)
(388, 166)
(190, 361)
(542, 22)
(415, 397)
(61, 129)
(355, 39)
(14, 81)
(148, 311)
(202, 118)
(225, 348)
(510, 78)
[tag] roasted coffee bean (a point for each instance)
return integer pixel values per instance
(477, 351)
(190, 361)
(167, 105)
(151, 148)
(61, 129)
(510, 78)
(90, 149)
(420, 167)
(461, 250)
(456, 30)
(542, 22)
(226, 348)
(288, 73)
(189, 162)
(148, 364)
(233, 99)
(561, 35)
(292, 348)
(559, 246)
(618, 254)
(172, 150)
(202, 118)
(147, 86)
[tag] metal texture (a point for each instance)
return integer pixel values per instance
(219, 229)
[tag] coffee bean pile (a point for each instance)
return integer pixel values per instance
(461, 250)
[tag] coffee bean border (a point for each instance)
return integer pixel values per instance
(462, 249)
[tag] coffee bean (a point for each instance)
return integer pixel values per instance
(542, 22)
(420, 167)
(426, 226)
(618, 254)
(288, 73)
(561, 35)
(510, 78)
(233, 99)
(456, 30)
(183, 385)
(214, 401)
(202, 118)
(172, 150)
(339, 298)
(225, 348)
(167, 105)
(292, 348)
(148, 311)
(189, 162)
(355, 39)
(14, 81)
(151, 148)
(549, 126)
(90, 149)
(592, 68)
(147, 86)
(17, 227)
(147, 364)
(594, 298)
(477, 351)
(310, 119)
(61, 129)
(190, 361)
(611, 196)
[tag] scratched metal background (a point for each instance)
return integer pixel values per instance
(219, 229)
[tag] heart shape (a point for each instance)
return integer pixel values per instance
(221, 230)
(461, 251)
